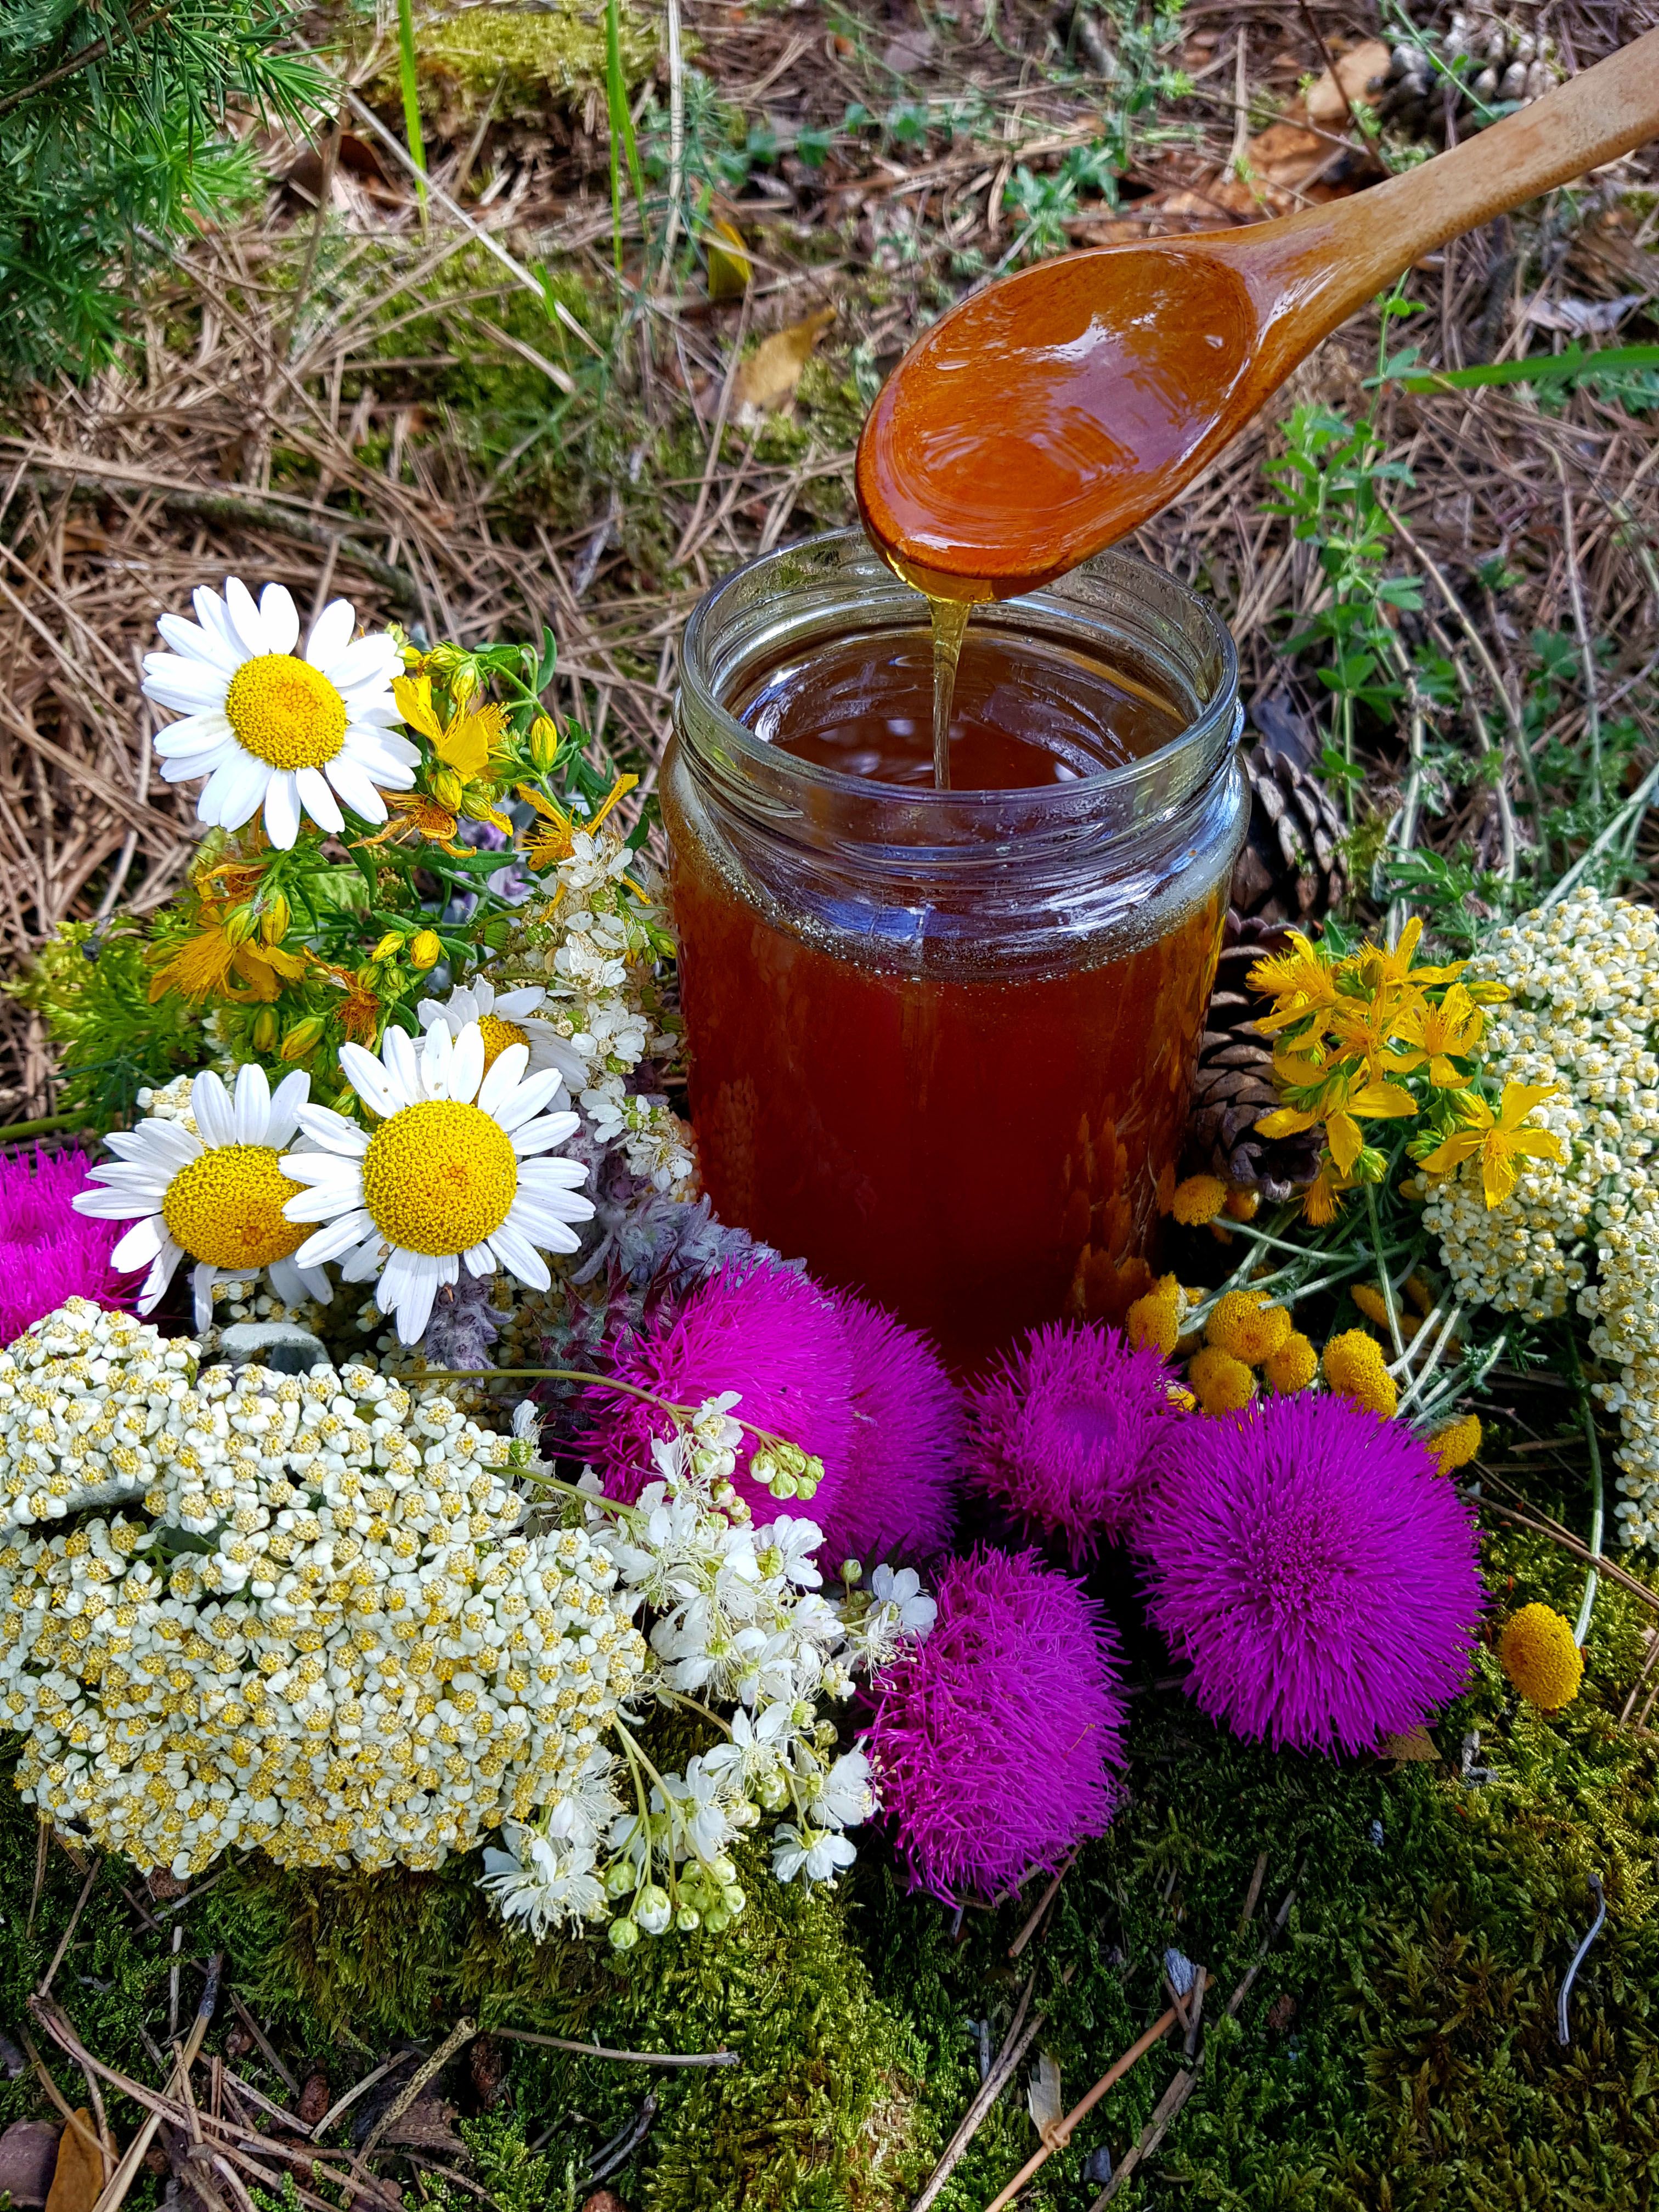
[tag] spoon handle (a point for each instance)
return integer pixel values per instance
(1309, 271)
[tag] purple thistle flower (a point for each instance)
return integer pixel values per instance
(767, 1333)
(1319, 1575)
(907, 1440)
(1066, 1430)
(49, 1252)
(993, 1740)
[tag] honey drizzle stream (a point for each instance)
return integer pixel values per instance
(950, 620)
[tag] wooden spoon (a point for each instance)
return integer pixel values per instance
(1060, 407)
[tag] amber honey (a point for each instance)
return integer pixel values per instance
(941, 1042)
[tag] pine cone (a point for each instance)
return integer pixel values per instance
(1234, 1086)
(1291, 867)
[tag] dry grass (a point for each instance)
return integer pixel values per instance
(265, 423)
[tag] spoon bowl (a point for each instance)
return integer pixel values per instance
(1058, 408)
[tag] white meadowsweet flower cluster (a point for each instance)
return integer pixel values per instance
(594, 945)
(739, 1622)
(315, 1619)
(1584, 1013)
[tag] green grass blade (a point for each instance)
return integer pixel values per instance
(1543, 368)
(411, 83)
(623, 143)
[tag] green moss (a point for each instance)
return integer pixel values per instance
(525, 58)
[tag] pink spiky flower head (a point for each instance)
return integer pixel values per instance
(906, 1441)
(49, 1252)
(1065, 1432)
(769, 1334)
(995, 1739)
(1321, 1576)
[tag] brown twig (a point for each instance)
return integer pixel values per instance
(462, 2032)
(634, 2057)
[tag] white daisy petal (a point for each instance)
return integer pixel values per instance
(211, 613)
(504, 1075)
(244, 621)
(234, 791)
(466, 1064)
(364, 1264)
(189, 686)
(319, 801)
(403, 1066)
(533, 1094)
(547, 1176)
(368, 1077)
(196, 734)
(280, 618)
(202, 1277)
(515, 1250)
(192, 642)
(333, 1130)
(195, 764)
(282, 810)
(140, 1246)
(437, 1051)
(481, 1259)
(356, 786)
(211, 1110)
(327, 1201)
(370, 659)
(127, 1143)
(291, 1094)
(373, 752)
(548, 1129)
(411, 1282)
(331, 634)
(334, 1239)
(159, 1276)
(253, 1103)
(511, 1006)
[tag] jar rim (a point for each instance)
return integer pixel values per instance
(1212, 726)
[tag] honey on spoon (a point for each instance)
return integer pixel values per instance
(1059, 409)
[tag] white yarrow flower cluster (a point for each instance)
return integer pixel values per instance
(593, 945)
(1584, 1011)
(740, 1624)
(314, 1620)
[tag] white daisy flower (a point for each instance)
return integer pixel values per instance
(214, 1195)
(447, 1174)
(506, 1017)
(269, 729)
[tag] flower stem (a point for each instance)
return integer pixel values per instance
(1592, 1578)
(1389, 1305)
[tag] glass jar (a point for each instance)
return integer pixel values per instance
(941, 1042)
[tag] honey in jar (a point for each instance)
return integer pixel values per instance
(941, 1040)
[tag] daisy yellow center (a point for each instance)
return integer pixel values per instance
(285, 712)
(226, 1208)
(497, 1035)
(439, 1177)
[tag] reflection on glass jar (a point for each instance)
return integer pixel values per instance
(941, 1042)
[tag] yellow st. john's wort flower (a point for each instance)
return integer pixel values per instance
(202, 967)
(1303, 981)
(467, 747)
(1344, 1104)
(555, 842)
(1498, 1140)
(1375, 965)
(1437, 1037)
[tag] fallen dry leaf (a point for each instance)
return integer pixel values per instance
(1420, 1744)
(77, 2181)
(1042, 2099)
(1359, 74)
(767, 379)
(28, 2157)
(730, 268)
